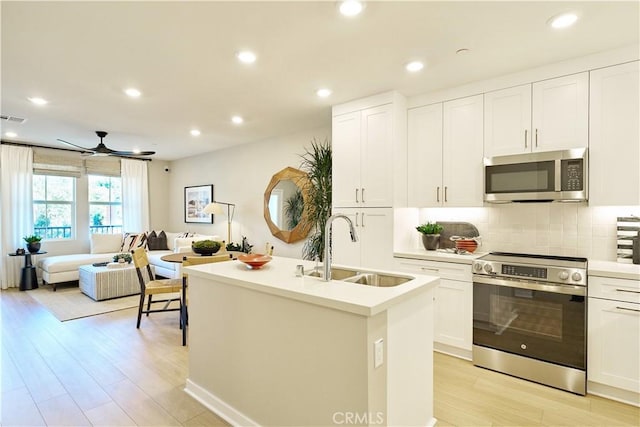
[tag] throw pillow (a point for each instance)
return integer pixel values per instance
(157, 242)
(133, 241)
(105, 243)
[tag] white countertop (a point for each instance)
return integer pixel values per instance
(614, 269)
(438, 255)
(278, 278)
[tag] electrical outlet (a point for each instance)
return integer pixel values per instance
(378, 353)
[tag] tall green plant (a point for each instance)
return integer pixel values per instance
(316, 162)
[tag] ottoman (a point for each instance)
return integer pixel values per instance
(100, 283)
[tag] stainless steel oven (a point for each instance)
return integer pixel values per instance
(529, 318)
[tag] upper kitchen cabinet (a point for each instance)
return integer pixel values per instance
(614, 147)
(445, 154)
(547, 115)
(369, 152)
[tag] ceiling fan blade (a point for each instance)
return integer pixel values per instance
(74, 145)
(133, 153)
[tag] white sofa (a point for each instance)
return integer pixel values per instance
(64, 268)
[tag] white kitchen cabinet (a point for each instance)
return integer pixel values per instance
(374, 248)
(614, 146)
(453, 329)
(462, 166)
(424, 145)
(614, 338)
(452, 133)
(368, 152)
(544, 116)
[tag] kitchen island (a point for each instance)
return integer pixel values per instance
(269, 348)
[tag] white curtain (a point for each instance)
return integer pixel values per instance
(135, 195)
(16, 209)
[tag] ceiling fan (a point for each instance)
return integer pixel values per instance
(103, 150)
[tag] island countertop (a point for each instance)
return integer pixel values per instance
(278, 277)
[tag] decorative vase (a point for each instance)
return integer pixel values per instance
(33, 247)
(431, 241)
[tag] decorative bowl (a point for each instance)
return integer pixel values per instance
(205, 247)
(254, 261)
(467, 245)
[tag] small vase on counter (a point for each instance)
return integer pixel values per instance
(430, 235)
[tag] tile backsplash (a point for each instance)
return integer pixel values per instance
(571, 229)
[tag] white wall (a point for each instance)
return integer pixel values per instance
(239, 175)
(570, 229)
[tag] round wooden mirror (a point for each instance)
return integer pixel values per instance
(284, 207)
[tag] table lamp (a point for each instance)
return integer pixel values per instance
(215, 208)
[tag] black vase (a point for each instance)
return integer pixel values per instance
(33, 247)
(431, 241)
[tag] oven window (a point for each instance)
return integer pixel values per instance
(520, 177)
(542, 325)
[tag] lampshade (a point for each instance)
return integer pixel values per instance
(213, 209)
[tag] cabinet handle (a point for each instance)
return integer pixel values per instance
(626, 290)
(362, 221)
(363, 195)
(430, 269)
(357, 195)
(445, 194)
(438, 194)
(536, 137)
(356, 219)
(628, 309)
(525, 137)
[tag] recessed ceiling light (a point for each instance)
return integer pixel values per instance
(414, 66)
(38, 101)
(195, 132)
(10, 134)
(351, 7)
(246, 56)
(564, 20)
(133, 92)
(323, 93)
(237, 120)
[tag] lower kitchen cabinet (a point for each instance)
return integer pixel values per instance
(613, 369)
(453, 303)
(374, 248)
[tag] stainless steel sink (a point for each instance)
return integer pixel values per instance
(376, 279)
(363, 277)
(337, 273)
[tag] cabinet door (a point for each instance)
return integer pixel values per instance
(345, 251)
(613, 343)
(376, 157)
(507, 121)
(345, 145)
(453, 323)
(614, 143)
(375, 228)
(424, 133)
(462, 150)
(560, 117)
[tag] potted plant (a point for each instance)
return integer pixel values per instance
(430, 235)
(205, 247)
(122, 258)
(33, 243)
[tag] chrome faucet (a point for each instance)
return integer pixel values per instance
(327, 242)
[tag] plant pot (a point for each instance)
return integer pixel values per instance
(431, 241)
(33, 247)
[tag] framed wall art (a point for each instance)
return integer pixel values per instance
(195, 200)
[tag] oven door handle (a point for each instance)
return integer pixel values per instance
(536, 286)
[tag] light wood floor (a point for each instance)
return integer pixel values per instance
(102, 371)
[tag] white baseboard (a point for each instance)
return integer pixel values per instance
(218, 406)
(452, 351)
(613, 393)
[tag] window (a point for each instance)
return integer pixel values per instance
(54, 206)
(105, 204)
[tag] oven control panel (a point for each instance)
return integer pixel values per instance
(570, 276)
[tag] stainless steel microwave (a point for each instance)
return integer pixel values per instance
(537, 177)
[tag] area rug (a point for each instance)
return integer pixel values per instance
(70, 303)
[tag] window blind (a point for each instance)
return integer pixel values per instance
(104, 166)
(53, 162)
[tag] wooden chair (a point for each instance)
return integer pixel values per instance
(154, 287)
(196, 260)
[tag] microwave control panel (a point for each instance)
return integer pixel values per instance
(572, 175)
